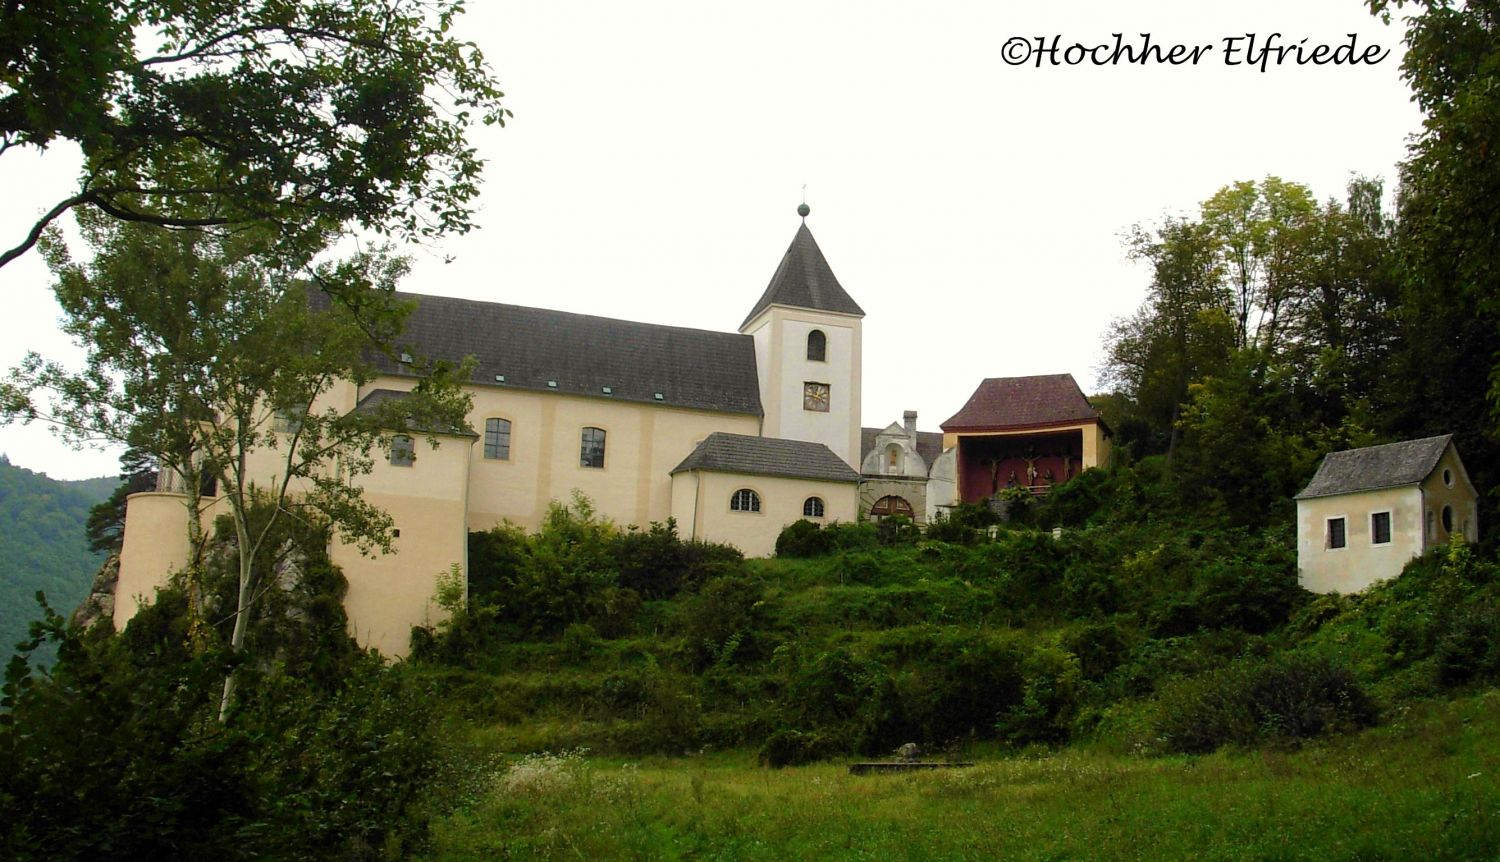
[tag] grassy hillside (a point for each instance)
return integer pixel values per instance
(42, 545)
(1425, 785)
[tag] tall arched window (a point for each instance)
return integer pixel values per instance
(497, 439)
(817, 345)
(591, 448)
(812, 507)
(744, 500)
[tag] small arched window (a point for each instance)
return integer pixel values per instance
(812, 507)
(497, 439)
(744, 500)
(591, 448)
(1448, 519)
(817, 345)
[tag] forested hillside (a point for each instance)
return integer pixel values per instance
(42, 544)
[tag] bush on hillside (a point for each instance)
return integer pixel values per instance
(1285, 699)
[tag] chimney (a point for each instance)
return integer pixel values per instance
(910, 421)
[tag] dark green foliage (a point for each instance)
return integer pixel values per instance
(806, 539)
(724, 623)
(795, 748)
(658, 565)
(1286, 699)
(118, 753)
(576, 570)
(42, 546)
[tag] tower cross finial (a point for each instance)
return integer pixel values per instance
(803, 209)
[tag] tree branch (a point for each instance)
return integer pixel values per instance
(41, 225)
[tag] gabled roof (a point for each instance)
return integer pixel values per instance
(583, 354)
(1376, 467)
(721, 452)
(1023, 402)
(929, 443)
(376, 397)
(805, 280)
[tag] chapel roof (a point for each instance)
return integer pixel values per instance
(538, 349)
(1375, 467)
(805, 280)
(1023, 402)
(722, 452)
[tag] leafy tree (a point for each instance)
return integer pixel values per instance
(197, 343)
(1261, 229)
(303, 117)
(1448, 235)
(1182, 331)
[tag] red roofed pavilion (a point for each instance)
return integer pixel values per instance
(1029, 432)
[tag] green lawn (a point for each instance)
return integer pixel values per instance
(1425, 785)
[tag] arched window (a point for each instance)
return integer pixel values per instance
(812, 507)
(497, 439)
(891, 505)
(403, 451)
(744, 500)
(817, 345)
(591, 448)
(1447, 519)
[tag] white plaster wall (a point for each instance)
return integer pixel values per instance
(754, 533)
(1359, 563)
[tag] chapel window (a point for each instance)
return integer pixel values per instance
(812, 507)
(591, 448)
(744, 500)
(1336, 534)
(403, 451)
(497, 439)
(1380, 528)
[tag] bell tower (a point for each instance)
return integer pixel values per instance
(807, 351)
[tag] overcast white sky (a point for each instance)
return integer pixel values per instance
(973, 208)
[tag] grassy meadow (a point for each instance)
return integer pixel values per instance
(1423, 785)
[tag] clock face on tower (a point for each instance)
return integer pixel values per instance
(815, 397)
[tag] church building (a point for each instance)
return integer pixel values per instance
(733, 435)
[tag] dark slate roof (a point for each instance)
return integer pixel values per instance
(767, 456)
(805, 280)
(1022, 402)
(691, 368)
(375, 397)
(929, 444)
(1375, 467)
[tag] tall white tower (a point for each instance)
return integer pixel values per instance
(807, 351)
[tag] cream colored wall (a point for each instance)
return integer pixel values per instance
(1359, 563)
(155, 545)
(784, 332)
(391, 593)
(754, 533)
(1461, 496)
(642, 443)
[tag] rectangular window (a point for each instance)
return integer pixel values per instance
(1380, 528)
(1336, 537)
(288, 421)
(403, 451)
(591, 448)
(497, 439)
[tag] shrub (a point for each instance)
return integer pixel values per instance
(721, 622)
(794, 748)
(1286, 699)
(804, 539)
